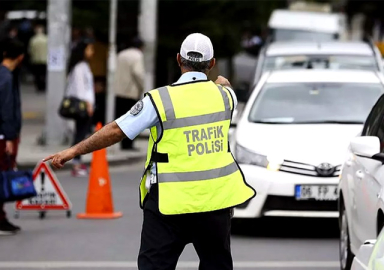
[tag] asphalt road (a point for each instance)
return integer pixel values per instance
(57, 242)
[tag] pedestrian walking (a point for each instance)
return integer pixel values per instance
(38, 49)
(10, 118)
(129, 82)
(80, 85)
(191, 181)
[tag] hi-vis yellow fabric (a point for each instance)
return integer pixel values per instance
(196, 171)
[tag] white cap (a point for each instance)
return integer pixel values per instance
(197, 43)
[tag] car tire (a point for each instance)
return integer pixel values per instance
(346, 255)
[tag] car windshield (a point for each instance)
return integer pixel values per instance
(320, 62)
(305, 103)
(288, 34)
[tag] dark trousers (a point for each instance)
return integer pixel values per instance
(40, 74)
(163, 238)
(6, 163)
(82, 129)
(122, 106)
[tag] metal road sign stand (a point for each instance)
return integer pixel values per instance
(50, 194)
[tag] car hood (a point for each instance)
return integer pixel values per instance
(310, 144)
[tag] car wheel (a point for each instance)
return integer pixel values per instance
(346, 256)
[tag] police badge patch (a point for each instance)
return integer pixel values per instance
(136, 108)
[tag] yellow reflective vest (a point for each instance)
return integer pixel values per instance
(196, 171)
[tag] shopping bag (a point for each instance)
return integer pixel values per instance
(16, 186)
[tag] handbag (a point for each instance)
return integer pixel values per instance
(16, 186)
(73, 108)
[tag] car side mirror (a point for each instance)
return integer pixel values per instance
(367, 147)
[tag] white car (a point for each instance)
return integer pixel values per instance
(317, 55)
(361, 202)
(291, 139)
(370, 255)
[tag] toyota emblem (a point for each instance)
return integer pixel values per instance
(325, 169)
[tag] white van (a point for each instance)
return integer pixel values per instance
(305, 25)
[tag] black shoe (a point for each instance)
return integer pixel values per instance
(7, 228)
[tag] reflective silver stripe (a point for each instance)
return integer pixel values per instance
(225, 98)
(197, 176)
(192, 120)
(197, 120)
(167, 103)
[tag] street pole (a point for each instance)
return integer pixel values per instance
(111, 61)
(59, 20)
(147, 30)
(111, 65)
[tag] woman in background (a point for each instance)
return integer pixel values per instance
(80, 85)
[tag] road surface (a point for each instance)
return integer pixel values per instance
(57, 242)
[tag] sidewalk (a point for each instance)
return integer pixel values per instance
(30, 152)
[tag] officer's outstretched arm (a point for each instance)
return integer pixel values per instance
(107, 136)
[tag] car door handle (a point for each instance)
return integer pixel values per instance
(360, 174)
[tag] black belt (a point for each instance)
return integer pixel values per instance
(159, 157)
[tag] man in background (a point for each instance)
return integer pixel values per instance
(10, 118)
(129, 82)
(38, 47)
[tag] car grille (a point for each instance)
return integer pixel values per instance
(310, 170)
(291, 204)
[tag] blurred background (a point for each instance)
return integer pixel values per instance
(226, 22)
(238, 26)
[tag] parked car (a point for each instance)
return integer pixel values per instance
(291, 138)
(370, 255)
(361, 204)
(317, 55)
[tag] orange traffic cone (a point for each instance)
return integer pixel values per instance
(99, 198)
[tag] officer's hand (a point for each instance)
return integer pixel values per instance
(223, 81)
(59, 159)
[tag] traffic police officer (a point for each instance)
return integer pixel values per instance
(191, 181)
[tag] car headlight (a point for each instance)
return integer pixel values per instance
(245, 156)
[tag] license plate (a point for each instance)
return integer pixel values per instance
(316, 192)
